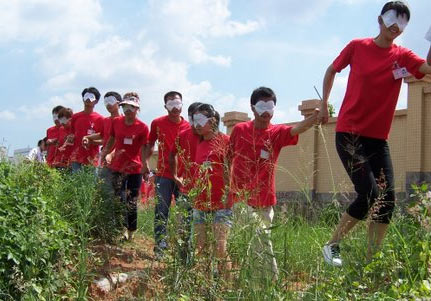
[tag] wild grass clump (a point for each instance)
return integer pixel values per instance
(400, 270)
(48, 219)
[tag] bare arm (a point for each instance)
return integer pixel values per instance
(305, 124)
(173, 163)
(147, 151)
(429, 56)
(108, 147)
(426, 68)
(95, 139)
(328, 82)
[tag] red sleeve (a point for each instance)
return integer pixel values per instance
(344, 58)
(284, 136)
(412, 62)
(153, 133)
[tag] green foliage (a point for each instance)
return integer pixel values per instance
(47, 221)
(34, 240)
(331, 110)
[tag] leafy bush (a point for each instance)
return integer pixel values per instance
(47, 221)
(34, 239)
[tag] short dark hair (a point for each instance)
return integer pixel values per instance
(193, 107)
(172, 94)
(39, 143)
(91, 90)
(57, 109)
(399, 6)
(210, 112)
(115, 94)
(262, 92)
(65, 112)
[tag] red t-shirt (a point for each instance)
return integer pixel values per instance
(165, 132)
(129, 140)
(84, 124)
(62, 156)
(185, 150)
(372, 91)
(210, 157)
(106, 130)
(254, 154)
(52, 133)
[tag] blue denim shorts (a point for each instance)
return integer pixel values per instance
(222, 216)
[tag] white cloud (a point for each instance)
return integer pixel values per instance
(203, 18)
(7, 115)
(186, 25)
(29, 20)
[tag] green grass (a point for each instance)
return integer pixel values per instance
(48, 221)
(400, 270)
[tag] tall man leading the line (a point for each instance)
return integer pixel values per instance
(164, 130)
(377, 69)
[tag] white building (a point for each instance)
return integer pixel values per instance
(21, 153)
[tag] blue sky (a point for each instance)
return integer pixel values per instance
(214, 51)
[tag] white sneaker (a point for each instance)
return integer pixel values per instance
(331, 254)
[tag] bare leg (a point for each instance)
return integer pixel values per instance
(376, 234)
(224, 266)
(344, 226)
(201, 239)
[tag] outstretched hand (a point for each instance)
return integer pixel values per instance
(323, 115)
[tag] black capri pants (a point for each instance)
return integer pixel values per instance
(369, 165)
(127, 187)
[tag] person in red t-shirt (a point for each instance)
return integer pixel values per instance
(165, 130)
(128, 136)
(254, 148)
(377, 68)
(210, 206)
(182, 165)
(85, 123)
(111, 101)
(52, 136)
(62, 157)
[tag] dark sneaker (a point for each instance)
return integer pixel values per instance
(331, 254)
(159, 250)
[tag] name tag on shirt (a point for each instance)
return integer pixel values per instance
(400, 73)
(264, 154)
(128, 141)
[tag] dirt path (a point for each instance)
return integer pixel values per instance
(135, 260)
